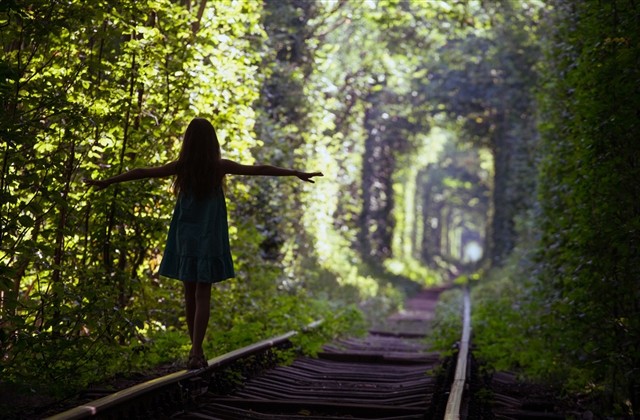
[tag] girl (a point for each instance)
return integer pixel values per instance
(197, 250)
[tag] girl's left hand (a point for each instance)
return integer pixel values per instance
(96, 183)
(306, 176)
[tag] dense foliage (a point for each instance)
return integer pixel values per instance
(565, 307)
(92, 91)
(589, 250)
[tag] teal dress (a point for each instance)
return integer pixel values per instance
(198, 241)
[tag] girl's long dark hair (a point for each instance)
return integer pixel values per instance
(198, 168)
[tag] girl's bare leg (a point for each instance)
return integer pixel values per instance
(201, 316)
(190, 305)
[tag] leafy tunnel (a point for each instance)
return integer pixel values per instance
(487, 142)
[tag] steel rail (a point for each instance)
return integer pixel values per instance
(102, 405)
(454, 403)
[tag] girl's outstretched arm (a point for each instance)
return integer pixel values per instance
(234, 168)
(137, 173)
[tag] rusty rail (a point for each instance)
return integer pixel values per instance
(179, 380)
(389, 374)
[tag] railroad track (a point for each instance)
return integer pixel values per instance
(389, 374)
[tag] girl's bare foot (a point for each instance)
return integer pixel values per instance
(196, 361)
